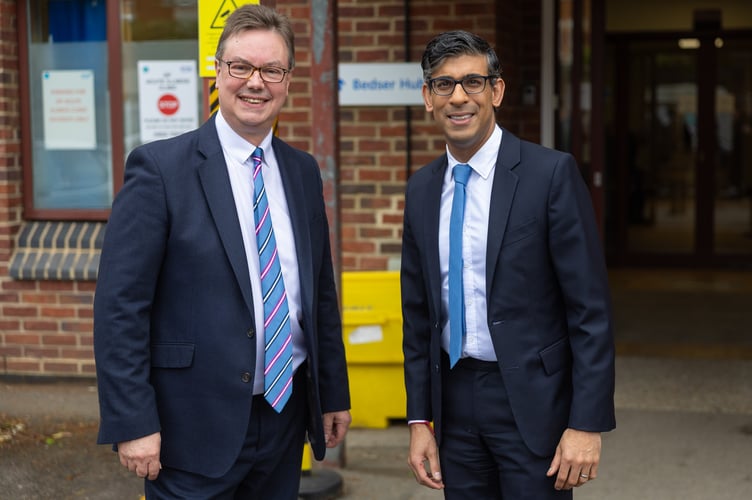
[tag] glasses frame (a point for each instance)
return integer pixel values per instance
(254, 69)
(461, 82)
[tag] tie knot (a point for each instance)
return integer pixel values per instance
(461, 173)
(257, 156)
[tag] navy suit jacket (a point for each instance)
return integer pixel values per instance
(174, 334)
(549, 309)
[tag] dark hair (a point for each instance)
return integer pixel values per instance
(454, 44)
(258, 17)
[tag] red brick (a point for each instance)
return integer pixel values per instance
(60, 367)
(42, 352)
(20, 311)
(21, 365)
(82, 353)
(59, 339)
(40, 326)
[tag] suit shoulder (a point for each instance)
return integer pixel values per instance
(427, 171)
(170, 147)
(528, 149)
(283, 149)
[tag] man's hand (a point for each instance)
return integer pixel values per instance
(424, 456)
(141, 455)
(576, 459)
(335, 427)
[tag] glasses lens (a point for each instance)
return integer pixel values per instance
(474, 84)
(443, 86)
(240, 70)
(271, 74)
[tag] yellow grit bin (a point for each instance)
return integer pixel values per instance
(372, 330)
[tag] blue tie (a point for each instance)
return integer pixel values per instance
(461, 173)
(277, 334)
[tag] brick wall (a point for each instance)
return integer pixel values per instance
(45, 326)
(374, 158)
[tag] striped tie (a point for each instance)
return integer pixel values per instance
(278, 338)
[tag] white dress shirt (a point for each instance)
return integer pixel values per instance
(477, 342)
(237, 152)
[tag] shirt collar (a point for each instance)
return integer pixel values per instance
(235, 146)
(484, 160)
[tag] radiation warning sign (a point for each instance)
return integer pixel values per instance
(212, 15)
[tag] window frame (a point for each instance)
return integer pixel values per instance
(115, 88)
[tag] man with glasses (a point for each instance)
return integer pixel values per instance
(217, 332)
(508, 345)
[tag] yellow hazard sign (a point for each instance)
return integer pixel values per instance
(212, 15)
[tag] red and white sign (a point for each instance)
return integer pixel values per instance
(168, 98)
(168, 104)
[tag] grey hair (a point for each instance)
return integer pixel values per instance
(454, 44)
(258, 17)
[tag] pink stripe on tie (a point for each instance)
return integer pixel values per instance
(262, 220)
(276, 356)
(276, 308)
(269, 265)
(284, 390)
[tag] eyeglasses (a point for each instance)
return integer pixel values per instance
(244, 71)
(444, 86)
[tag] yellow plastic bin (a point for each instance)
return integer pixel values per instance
(372, 329)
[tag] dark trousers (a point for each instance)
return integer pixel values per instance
(269, 463)
(482, 454)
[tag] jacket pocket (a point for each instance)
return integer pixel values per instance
(520, 232)
(172, 355)
(556, 356)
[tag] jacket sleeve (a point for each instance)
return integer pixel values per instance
(132, 252)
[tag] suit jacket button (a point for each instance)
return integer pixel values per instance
(245, 377)
(251, 333)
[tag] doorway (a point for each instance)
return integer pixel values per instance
(678, 156)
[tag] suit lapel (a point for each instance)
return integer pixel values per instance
(296, 205)
(431, 212)
(215, 181)
(502, 195)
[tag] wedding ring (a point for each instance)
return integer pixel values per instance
(584, 476)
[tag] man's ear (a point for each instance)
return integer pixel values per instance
(427, 98)
(498, 92)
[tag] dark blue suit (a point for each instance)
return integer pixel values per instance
(174, 332)
(546, 289)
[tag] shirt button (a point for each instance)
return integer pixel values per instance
(245, 377)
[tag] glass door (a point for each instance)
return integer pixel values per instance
(679, 149)
(732, 201)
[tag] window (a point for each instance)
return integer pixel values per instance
(71, 153)
(83, 95)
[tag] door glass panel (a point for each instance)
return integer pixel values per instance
(662, 137)
(733, 161)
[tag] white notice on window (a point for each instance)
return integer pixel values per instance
(68, 102)
(167, 98)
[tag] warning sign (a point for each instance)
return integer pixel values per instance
(212, 15)
(167, 98)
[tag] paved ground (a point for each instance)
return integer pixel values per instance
(684, 432)
(683, 398)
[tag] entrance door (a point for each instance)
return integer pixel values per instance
(679, 149)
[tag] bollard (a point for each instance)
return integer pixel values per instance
(319, 484)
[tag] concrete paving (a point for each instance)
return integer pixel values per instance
(684, 431)
(683, 401)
